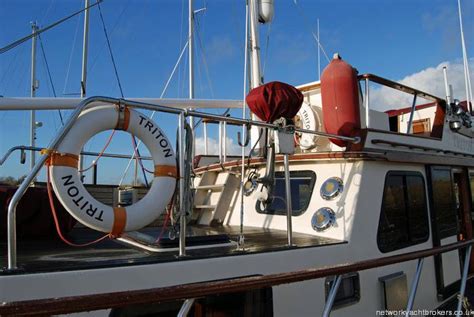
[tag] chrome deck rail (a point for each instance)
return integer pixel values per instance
(367, 78)
(97, 100)
(23, 148)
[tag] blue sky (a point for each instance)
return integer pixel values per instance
(394, 39)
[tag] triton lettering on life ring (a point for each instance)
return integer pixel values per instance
(76, 199)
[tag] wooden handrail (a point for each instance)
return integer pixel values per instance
(92, 302)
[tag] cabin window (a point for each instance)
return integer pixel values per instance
(471, 186)
(421, 126)
(444, 202)
(302, 185)
(403, 218)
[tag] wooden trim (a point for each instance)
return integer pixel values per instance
(419, 147)
(328, 156)
(90, 302)
(428, 158)
(456, 159)
(408, 145)
(397, 112)
(404, 134)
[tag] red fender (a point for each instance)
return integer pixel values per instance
(340, 100)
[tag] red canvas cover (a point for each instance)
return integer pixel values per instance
(274, 100)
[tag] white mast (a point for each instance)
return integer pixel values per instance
(85, 45)
(191, 49)
(34, 86)
(191, 61)
(467, 77)
(255, 75)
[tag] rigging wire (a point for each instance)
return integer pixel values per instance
(316, 38)
(201, 46)
(132, 157)
(180, 45)
(28, 37)
(112, 30)
(134, 141)
(49, 76)
(203, 55)
(47, 11)
(110, 50)
(74, 41)
(267, 44)
(13, 61)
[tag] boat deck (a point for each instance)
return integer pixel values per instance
(52, 256)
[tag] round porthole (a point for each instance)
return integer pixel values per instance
(249, 186)
(323, 218)
(332, 188)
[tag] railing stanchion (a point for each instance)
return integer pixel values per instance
(186, 307)
(224, 141)
(204, 127)
(289, 229)
(219, 142)
(182, 211)
(413, 108)
(367, 103)
(94, 174)
(467, 258)
(414, 286)
(332, 296)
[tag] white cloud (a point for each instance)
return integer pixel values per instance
(429, 80)
(213, 146)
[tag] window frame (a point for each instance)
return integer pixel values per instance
(386, 248)
(293, 174)
(439, 233)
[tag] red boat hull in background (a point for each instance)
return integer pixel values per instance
(340, 100)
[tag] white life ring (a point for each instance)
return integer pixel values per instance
(76, 199)
(307, 119)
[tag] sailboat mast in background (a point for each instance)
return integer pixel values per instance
(34, 86)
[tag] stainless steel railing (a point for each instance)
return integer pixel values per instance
(182, 115)
(85, 153)
(367, 78)
(23, 148)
